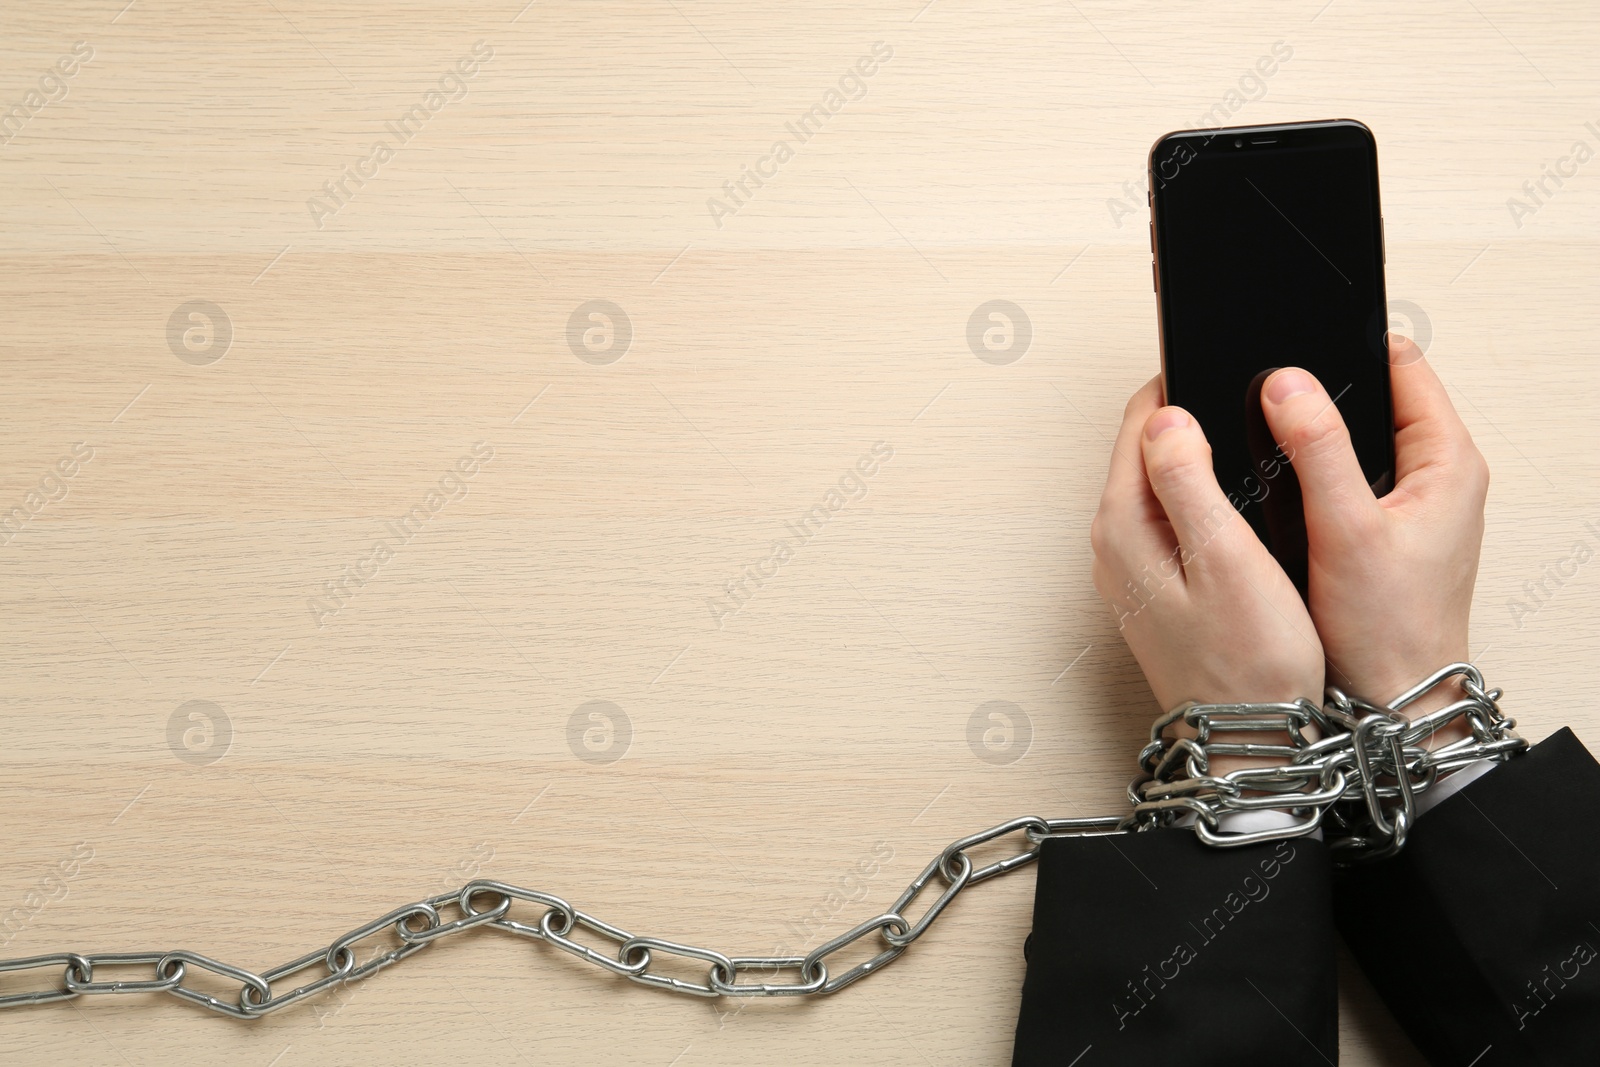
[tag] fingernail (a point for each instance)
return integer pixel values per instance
(1403, 351)
(1289, 383)
(1164, 420)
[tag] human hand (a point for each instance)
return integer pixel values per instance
(1390, 580)
(1206, 610)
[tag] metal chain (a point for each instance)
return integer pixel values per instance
(1358, 783)
(1361, 778)
(485, 903)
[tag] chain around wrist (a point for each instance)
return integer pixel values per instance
(1358, 783)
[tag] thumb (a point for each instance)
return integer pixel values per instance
(1312, 434)
(1177, 460)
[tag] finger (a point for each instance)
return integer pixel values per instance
(1428, 430)
(1130, 532)
(1177, 460)
(1311, 433)
(1132, 525)
(1125, 481)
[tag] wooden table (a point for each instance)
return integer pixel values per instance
(264, 348)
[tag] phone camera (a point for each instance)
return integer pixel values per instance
(1238, 142)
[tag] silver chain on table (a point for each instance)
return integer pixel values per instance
(1357, 783)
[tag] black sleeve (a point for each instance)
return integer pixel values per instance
(1152, 948)
(1482, 934)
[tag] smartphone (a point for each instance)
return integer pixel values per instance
(1267, 252)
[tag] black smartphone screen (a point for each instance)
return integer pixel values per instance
(1269, 253)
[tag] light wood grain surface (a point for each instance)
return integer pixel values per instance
(356, 752)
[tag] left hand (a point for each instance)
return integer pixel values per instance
(1207, 611)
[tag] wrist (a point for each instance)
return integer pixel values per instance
(1393, 684)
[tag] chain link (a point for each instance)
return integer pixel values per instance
(1358, 783)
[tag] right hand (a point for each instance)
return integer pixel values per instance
(1390, 580)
